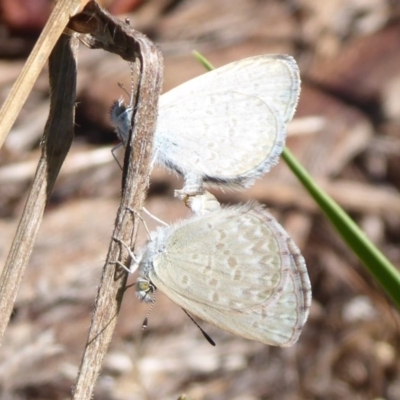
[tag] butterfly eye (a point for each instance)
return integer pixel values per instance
(145, 290)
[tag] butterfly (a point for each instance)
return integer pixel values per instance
(226, 127)
(235, 267)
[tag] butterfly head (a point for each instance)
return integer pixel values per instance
(121, 116)
(145, 290)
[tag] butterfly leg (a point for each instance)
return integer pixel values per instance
(114, 155)
(146, 211)
(134, 262)
(193, 186)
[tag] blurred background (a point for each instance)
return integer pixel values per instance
(346, 132)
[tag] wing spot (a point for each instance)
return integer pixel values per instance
(215, 297)
(259, 246)
(207, 268)
(273, 278)
(185, 280)
(264, 313)
(237, 275)
(255, 324)
(232, 262)
(213, 282)
(235, 304)
(220, 246)
(248, 235)
(279, 289)
(222, 234)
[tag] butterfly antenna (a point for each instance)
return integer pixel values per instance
(146, 320)
(130, 95)
(121, 85)
(205, 334)
(160, 221)
(132, 67)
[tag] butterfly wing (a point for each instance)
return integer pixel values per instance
(230, 123)
(238, 269)
(274, 78)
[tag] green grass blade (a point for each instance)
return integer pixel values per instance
(376, 263)
(203, 61)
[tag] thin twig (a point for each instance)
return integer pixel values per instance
(117, 37)
(57, 139)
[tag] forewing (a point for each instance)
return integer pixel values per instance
(236, 269)
(230, 121)
(273, 78)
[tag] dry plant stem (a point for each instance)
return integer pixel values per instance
(117, 37)
(57, 139)
(22, 87)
